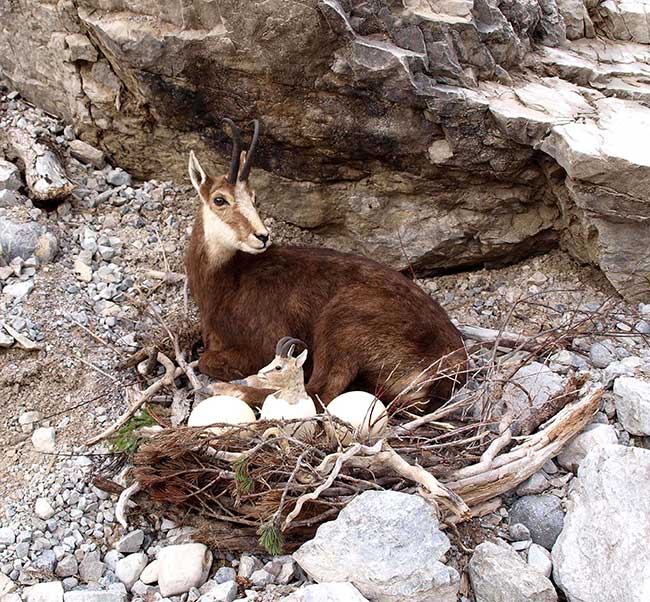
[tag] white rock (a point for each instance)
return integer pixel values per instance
(9, 176)
(533, 384)
(182, 567)
(43, 509)
(594, 435)
(539, 558)
(129, 568)
(498, 574)
(27, 420)
(95, 596)
(327, 592)
(44, 440)
(247, 566)
(388, 545)
(602, 554)
(131, 542)
(535, 484)
(51, 591)
(632, 397)
(7, 536)
(628, 366)
(6, 585)
(19, 290)
(221, 592)
(150, 573)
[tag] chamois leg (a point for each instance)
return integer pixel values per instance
(328, 381)
(222, 365)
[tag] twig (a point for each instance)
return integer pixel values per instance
(123, 500)
(23, 342)
(166, 380)
(166, 277)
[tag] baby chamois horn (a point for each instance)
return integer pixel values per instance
(363, 322)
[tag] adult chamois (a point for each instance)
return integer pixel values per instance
(362, 322)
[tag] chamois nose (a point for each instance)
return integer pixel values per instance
(263, 237)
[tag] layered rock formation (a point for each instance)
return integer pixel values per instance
(456, 133)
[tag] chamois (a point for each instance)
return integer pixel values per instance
(362, 321)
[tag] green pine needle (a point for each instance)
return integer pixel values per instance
(271, 538)
(126, 440)
(242, 478)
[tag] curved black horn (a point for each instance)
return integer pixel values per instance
(236, 149)
(286, 344)
(246, 169)
(279, 347)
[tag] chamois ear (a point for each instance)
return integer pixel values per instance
(197, 175)
(301, 359)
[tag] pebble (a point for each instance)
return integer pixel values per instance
(131, 542)
(86, 153)
(150, 573)
(51, 591)
(43, 509)
(220, 592)
(44, 440)
(67, 567)
(602, 354)
(539, 558)
(129, 568)
(542, 515)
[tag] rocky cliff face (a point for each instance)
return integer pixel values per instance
(457, 133)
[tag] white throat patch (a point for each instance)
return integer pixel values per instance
(219, 238)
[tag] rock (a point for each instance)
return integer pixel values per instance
(131, 542)
(542, 514)
(118, 177)
(6, 586)
(222, 592)
(594, 435)
(6, 341)
(91, 567)
(19, 290)
(225, 573)
(261, 578)
(86, 153)
(44, 440)
(43, 509)
(247, 566)
(632, 397)
(83, 271)
(534, 484)
(599, 555)
(95, 596)
(532, 384)
(539, 558)
(602, 354)
(388, 545)
(564, 359)
(9, 176)
(27, 420)
(26, 240)
(51, 591)
(498, 574)
(518, 532)
(181, 567)
(416, 150)
(67, 567)
(150, 573)
(327, 592)
(628, 366)
(7, 536)
(8, 198)
(129, 568)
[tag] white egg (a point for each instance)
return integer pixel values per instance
(363, 411)
(276, 408)
(223, 409)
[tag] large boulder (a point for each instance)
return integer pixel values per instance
(392, 128)
(602, 553)
(632, 397)
(388, 545)
(498, 574)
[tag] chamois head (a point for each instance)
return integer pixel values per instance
(230, 219)
(285, 371)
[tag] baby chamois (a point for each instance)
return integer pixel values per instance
(362, 321)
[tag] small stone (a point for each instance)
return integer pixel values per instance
(7, 536)
(131, 542)
(118, 177)
(6, 586)
(602, 354)
(83, 271)
(19, 290)
(91, 568)
(51, 591)
(150, 573)
(536, 483)
(261, 578)
(224, 573)
(247, 566)
(594, 435)
(221, 592)
(27, 420)
(128, 569)
(539, 558)
(86, 153)
(67, 566)
(95, 596)
(520, 546)
(518, 532)
(537, 278)
(9, 176)
(542, 515)
(182, 567)
(44, 440)
(43, 509)
(8, 198)
(68, 132)
(327, 592)
(45, 561)
(632, 397)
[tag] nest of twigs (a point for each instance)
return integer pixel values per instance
(267, 485)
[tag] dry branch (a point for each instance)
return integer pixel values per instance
(21, 341)
(45, 176)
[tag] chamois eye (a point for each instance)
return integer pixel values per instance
(219, 201)
(278, 367)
